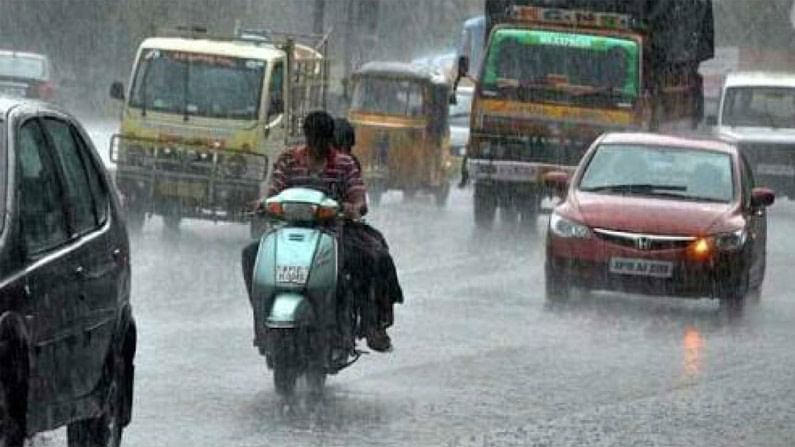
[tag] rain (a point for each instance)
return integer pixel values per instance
(588, 206)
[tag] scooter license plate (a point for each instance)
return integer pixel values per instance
(288, 274)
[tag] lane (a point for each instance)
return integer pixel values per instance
(479, 360)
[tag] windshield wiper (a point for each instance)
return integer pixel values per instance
(643, 188)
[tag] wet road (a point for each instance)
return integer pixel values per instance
(479, 360)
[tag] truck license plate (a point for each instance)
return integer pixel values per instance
(641, 267)
(289, 274)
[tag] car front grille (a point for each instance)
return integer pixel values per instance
(644, 242)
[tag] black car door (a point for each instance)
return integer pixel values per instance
(50, 265)
(97, 267)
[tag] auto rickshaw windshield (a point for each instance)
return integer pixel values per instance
(388, 96)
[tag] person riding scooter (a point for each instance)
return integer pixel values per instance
(387, 287)
(318, 163)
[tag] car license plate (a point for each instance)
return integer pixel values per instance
(641, 267)
(778, 170)
(289, 274)
(504, 170)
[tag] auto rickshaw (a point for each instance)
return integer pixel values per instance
(400, 113)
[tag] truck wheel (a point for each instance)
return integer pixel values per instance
(105, 430)
(135, 218)
(485, 206)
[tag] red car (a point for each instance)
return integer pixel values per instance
(659, 215)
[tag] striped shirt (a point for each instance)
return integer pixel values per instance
(341, 179)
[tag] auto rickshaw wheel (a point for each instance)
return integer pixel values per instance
(485, 206)
(441, 194)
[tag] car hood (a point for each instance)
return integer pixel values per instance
(650, 215)
(758, 134)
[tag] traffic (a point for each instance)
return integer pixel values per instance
(528, 239)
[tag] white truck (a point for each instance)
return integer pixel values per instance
(757, 110)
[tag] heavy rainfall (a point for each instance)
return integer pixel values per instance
(397, 222)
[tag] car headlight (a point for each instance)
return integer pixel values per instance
(565, 228)
(732, 241)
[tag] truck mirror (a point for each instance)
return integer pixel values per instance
(117, 91)
(276, 107)
(453, 101)
(463, 66)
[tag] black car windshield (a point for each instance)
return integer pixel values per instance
(759, 107)
(679, 173)
(388, 96)
(196, 84)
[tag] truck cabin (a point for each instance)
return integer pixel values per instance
(402, 91)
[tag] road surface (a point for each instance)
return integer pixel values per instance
(479, 359)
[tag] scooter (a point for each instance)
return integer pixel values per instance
(305, 316)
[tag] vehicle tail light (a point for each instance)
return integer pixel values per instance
(325, 213)
(275, 209)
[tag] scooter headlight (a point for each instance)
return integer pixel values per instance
(568, 229)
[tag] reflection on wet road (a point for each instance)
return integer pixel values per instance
(479, 359)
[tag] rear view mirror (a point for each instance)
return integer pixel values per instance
(463, 67)
(117, 91)
(762, 197)
(557, 182)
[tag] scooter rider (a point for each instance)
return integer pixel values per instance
(383, 271)
(319, 164)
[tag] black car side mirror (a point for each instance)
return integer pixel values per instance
(762, 197)
(117, 91)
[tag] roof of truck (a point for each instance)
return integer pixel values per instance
(231, 48)
(760, 79)
(403, 70)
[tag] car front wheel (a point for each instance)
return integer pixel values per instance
(105, 430)
(556, 287)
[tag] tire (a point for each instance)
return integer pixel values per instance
(316, 382)
(374, 194)
(485, 206)
(556, 287)
(135, 219)
(172, 222)
(441, 194)
(284, 378)
(733, 300)
(105, 430)
(12, 407)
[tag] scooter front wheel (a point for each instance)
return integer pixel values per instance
(284, 378)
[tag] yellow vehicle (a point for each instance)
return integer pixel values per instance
(205, 116)
(400, 113)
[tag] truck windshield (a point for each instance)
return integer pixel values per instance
(196, 84)
(388, 96)
(759, 107)
(20, 66)
(562, 67)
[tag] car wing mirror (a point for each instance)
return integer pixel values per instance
(762, 197)
(117, 91)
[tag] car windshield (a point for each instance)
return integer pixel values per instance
(678, 173)
(759, 107)
(388, 96)
(196, 84)
(562, 67)
(19, 66)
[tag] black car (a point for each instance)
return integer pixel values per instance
(67, 335)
